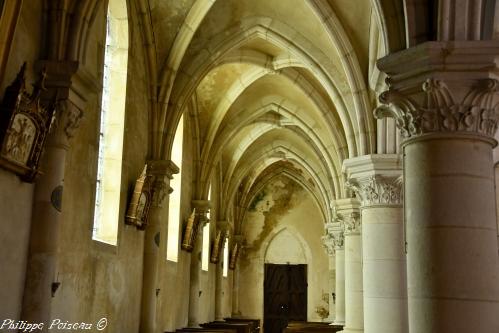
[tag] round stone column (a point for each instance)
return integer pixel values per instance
(447, 112)
(340, 287)
(162, 171)
(452, 260)
(42, 280)
(201, 207)
(377, 181)
(348, 211)
(334, 244)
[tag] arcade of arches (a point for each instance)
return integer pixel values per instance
(195, 142)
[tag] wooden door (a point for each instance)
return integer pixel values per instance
(285, 296)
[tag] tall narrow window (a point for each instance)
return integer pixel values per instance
(206, 240)
(112, 124)
(226, 258)
(174, 204)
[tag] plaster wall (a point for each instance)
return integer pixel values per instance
(100, 280)
(283, 225)
(16, 197)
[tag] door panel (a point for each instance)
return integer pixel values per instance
(285, 295)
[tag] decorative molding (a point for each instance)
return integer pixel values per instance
(352, 224)
(439, 111)
(377, 190)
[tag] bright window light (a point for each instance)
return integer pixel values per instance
(174, 203)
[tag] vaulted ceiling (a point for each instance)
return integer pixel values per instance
(275, 87)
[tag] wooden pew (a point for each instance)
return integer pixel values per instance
(255, 323)
(239, 327)
(311, 327)
(205, 330)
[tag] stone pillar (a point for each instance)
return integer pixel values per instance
(235, 283)
(444, 96)
(334, 245)
(348, 210)
(377, 181)
(162, 171)
(337, 230)
(201, 207)
(219, 274)
(41, 275)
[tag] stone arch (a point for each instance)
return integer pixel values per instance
(305, 253)
(192, 75)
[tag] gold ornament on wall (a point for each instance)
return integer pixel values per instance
(234, 256)
(217, 247)
(140, 203)
(190, 232)
(24, 125)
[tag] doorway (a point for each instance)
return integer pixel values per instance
(285, 296)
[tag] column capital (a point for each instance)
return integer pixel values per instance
(162, 168)
(160, 171)
(442, 88)
(202, 207)
(375, 179)
(352, 224)
(347, 212)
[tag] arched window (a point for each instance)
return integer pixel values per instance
(112, 124)
(174, 201)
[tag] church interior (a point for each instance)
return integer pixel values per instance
(245, 166)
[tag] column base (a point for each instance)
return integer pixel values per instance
(352, 330)
(337, 323)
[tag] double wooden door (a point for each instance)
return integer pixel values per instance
(285, 296)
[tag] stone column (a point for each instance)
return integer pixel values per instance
(235, 283)
(201, 207)
(219, 274)
(334, 244)
(41, 275)
(348, 210)
(162, 171)
(337, 231)
(377, 181)
(444, 96)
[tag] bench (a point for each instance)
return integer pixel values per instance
(311, 327)
(239, 327)
(255, 323)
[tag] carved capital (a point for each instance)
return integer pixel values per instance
(334, 236)
(67, 120)
(161, 171)
(375, 179)
(377, 190)
(439, 111)
(328, 243)
(444, 87)
(352, 224)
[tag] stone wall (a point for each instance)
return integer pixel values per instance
(283, 225)
(16, 197)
